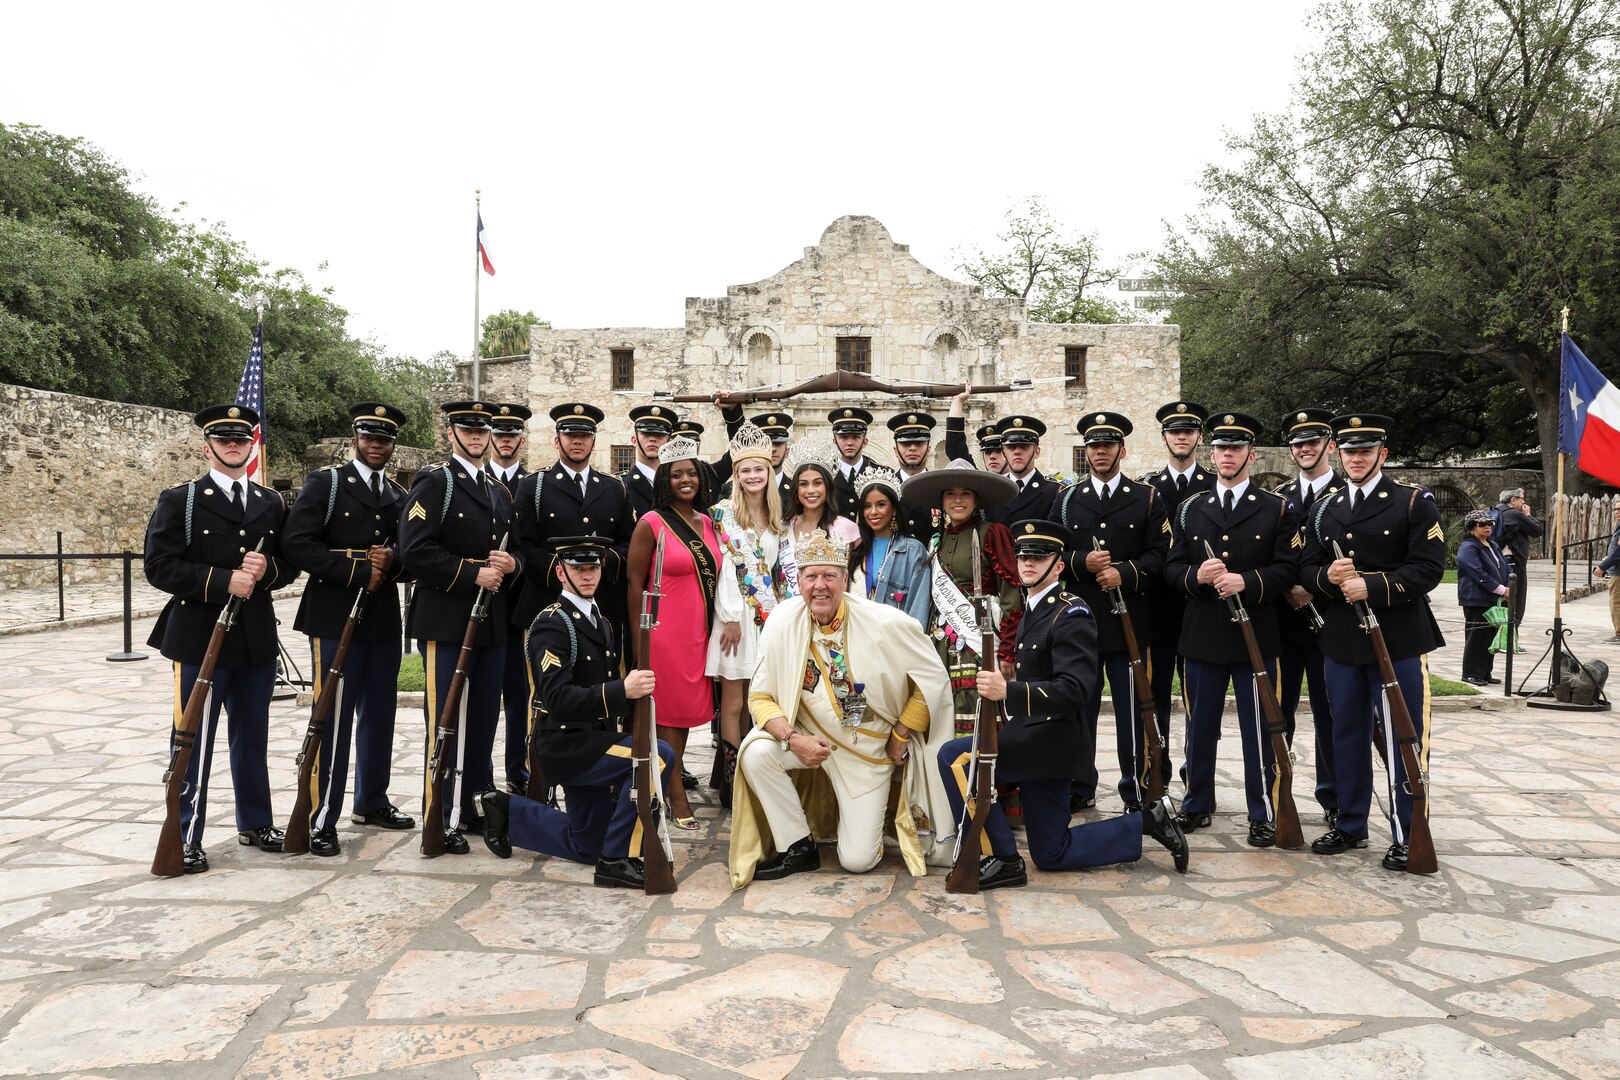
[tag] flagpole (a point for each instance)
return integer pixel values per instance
(1558, 505)
(478, 209)
(264, 450)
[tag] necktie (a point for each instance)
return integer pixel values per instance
(1107, 493)
(236, 495)
(1181, 484)
(1231, 501)
(1355, 502)
(376, 485)
(581, 479)
(596, 618)
(1309, 497)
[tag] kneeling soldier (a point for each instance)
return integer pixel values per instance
(1046, 743)
(579, 708)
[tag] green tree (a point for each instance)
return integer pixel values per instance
(506, 333)
(1402, 240)
(1055, 272)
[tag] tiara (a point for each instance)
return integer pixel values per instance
(819, 549)
(750, 442)
(874, 475)
(679, 448)
(813, 450)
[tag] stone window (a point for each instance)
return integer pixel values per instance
(620, 459)
(759, 348)
(1081, 466)
(855, 354)
(1074, 366)
(624, 369)
(945, 347)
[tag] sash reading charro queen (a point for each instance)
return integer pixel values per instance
(952, 608)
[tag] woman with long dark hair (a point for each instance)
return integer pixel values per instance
(684, 698)
(894, 567)
(812, 504)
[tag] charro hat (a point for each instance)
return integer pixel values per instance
(376, 419)
(1181, 416)
(925, 489)
(653, 419)
(510, 418)
(778, 425)
(1038, 536)
(580, 550)
(1356, 430)
(1103, 427)
(911, 427)
(1308, 425)
(850, 421)
(577, 418)
(1233, 429)
(473, 415)
(1016, 430)
(227, 421)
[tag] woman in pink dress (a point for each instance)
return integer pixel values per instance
(684, 695)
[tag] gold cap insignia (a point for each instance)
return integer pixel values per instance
(1355, 421)
(1300, 417)
(1018, 421)
(847, 412)
(1029, 528)
(1101, 418)
(770, 419)
(478, 406)
(381, 411)
(656, 411)
(911, 419)
(234, 412)
(1230, 419)
(1181, 408)
(579, 409)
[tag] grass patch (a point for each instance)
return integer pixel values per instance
(412, 679)
(1451, 688)
(1449, 577)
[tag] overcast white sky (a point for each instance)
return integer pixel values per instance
(631, 155)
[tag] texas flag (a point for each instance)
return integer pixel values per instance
(483, 248)
(1588, 416)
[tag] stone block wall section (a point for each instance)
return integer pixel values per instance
(92, 469)
(918, 325)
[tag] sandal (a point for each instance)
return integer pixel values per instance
(685, 824)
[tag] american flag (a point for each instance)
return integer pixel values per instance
(250, 392)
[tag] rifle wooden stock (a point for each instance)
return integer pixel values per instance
(297, 832)
(536, 788)
(857, 381)
(1289, 833)
(1147, 714)
(1420, 855)
(660, 875)
(170, 859)
(964, 876)
(445, 730)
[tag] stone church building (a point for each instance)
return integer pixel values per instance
(856, 300)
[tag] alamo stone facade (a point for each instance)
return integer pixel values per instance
(857, 295)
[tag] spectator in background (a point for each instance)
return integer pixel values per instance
(1482, 579)
(1609, 568)
(1518, 527)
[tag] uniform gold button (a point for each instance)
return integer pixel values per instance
(1226, 538)
(585, 520)
(243, 550)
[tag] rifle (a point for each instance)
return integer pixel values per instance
(439, 763)
(297, 837)
(656, 855)
(858, 381)
(170, 860)
(537, 785)
(964, 876)
(1420, 857)
(1289, 834)
(1142, 690)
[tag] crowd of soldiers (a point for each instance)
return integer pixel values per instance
(548, 551)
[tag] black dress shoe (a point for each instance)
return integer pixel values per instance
(494, 804)
(620, 874)
(1494, 681)
(1002, 872)
(265, 838)
(324, 842)
(1335, 842)
(1165, 827)
(688, 781)
(455, 843)
(1132, 806)
(471, 823)
(1193, 822)
(195, 859)
(1476, 682)
(1331, 816)
(1262, 833)
(389, 817)
(799, 857)
(1395, 857)
(1078, 803)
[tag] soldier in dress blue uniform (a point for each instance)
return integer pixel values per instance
(913, 438)
(509, 434)
(1394, 555)
(1310, 442)
(651, 427)
(455, 517)
(580, 706)
(779, 426)
(200, 549)
(1256, 538)
(343, 531)
(849, 435)
(1021, 445)
(1181, 427)
(1045, 744)
(1127, 517)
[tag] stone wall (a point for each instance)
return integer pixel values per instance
(92, 469)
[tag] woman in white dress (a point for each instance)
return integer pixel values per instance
(749, 526)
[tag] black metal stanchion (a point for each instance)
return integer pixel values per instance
(129, 652)
(61, 602)
(1512, 635)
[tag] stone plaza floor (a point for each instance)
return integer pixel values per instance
(1256, 964)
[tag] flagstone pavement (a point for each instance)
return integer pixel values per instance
(1256, 964)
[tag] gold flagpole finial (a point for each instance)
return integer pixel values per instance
(1565, 315)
